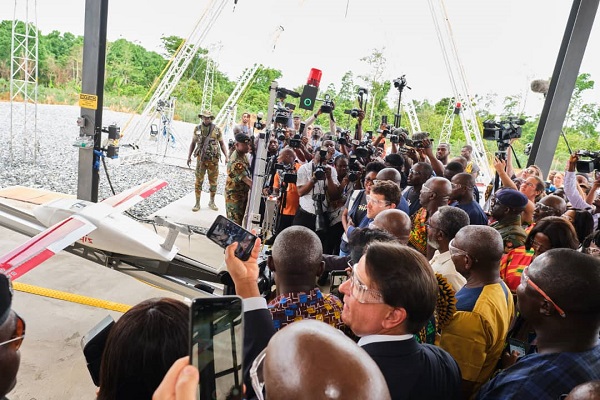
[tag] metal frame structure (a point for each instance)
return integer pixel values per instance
(460, 87)
(568, 62)
(446, 131)
(411, 112)
(178, 66)
(24, 79)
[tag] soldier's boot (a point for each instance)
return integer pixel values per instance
(211, 203)
(197, 205)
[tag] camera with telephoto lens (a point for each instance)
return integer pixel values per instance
(353, 168)
(258, 125)
(328, 105)
(280, 133)
(384, 130)
(364, 149)
(289, 173)
(296, 141)
(503, 131)
(353, 113)
(399, 134)
(282, 113)
(588, 166)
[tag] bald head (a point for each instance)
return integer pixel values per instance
(487, 249)
(390, 174)
(312, 360)
(571, 279)
(585, 391)
(395, 222)
(297, 251)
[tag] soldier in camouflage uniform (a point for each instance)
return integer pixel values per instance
(205, 147)
(238, 179)
(506, 207)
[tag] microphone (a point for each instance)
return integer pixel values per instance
(540, 86)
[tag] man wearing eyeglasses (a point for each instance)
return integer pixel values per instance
(484, 306)
(12, 332)
(558, 296)
(389, 296)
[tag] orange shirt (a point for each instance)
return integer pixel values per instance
(292, 200)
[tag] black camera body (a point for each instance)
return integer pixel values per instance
(503, 131)
(400, 83)
(296, 141)
(328, 105)
(587, 166)
(282, 114)
(353, 113)
(258, 125)
(280, 133)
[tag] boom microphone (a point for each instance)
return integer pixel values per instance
(540, 86)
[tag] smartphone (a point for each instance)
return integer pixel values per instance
(337, 278)
(93, 344)
(224, 232)
(216, 328)
(514, 344)
(302, 126)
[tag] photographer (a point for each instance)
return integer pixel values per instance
(316, 180)
(575, 194)
(337, 203)
(288, 203)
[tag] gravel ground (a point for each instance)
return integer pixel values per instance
(56, 162)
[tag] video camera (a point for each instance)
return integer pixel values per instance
(397, 134)
(588, 166)
(503, 131)
(258, 125)
(343, 138)
(280, 133)
(354, 168)
(289, 174)
(328, 105)
(353, 113)
(296, 141)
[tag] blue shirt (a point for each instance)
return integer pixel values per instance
(475, 212)
(403, 206)
(544, 376)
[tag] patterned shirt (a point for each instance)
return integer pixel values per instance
(544, 376)
(418, 235)
(512, 265)
(290, 307)
(513, 235)
(212, 152)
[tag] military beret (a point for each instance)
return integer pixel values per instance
(242, 138)
(6, 294)
(511, 198)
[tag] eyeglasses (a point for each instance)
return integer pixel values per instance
(370, 180)
(459, 252)
(528, 184)
(18, 335)
(428, 225)
(527, 280)
(380, 203)
(455, 185)
(412, 171)
(530, 171)
(543, 207)
(360, 291)
(593, 251)
(426, 189)
(256, 374)
(538, 247)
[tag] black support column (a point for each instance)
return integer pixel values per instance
(566, 70)
(91, 98)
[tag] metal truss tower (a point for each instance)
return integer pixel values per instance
(209, 84)
(411, 112)
(177, 67)
(24, 80)
(460, 88)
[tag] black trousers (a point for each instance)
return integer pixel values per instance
(306, 219)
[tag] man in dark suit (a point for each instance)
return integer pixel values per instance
(390, 295)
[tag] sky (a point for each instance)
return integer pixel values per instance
(503, 45)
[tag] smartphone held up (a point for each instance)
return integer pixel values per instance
(224, 232)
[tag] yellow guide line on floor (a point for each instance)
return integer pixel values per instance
(73, 298)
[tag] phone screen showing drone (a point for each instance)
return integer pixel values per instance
(224, 232)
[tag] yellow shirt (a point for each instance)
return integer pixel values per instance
(476, 335)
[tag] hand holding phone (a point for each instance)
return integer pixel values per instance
(216, 346)
(224, 232)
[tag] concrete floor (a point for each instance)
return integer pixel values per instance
(52, 364)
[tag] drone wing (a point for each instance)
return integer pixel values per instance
(44, 245)
(130, 197)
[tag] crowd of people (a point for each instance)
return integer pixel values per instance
(440, 299)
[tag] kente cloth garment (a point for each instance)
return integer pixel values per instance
(418, 234)
(289, 307)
